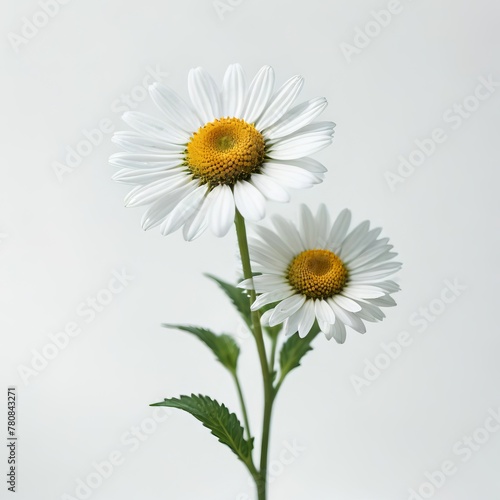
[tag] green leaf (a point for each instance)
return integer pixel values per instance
(215, 416)
(294, 349)
(223, 346)
(238, 297)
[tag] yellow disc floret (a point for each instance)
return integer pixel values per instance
(225, 151)
(317, 274)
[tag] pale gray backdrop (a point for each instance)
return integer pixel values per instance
(361, 425)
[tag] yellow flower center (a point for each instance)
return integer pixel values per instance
(225, 151)
(317, 274)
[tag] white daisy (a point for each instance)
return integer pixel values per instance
(230, 148)
(322, 272)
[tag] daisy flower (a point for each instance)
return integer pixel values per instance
(229, 148)
(322, 272)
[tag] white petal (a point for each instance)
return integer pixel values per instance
(270, 297)
(313, 167)
(268, 282)
(291, 324)
(247, 284)
(339, 332)
(183, 211)
(286, 308)
(145, 160)
(145, 175)
(135, 142)
(265, 248)
(322, 223)
(346, 303)
(369, 277)
(305, 142)
(198, 223)
(339, 229)
(309, 169)
(204, 94)
(288, 233)
(354, 239)
(377, 266)
(372, 313)
(274, 241)
(222, 211)
(289, 175)
(389, 286)
(280, 102)
(174, 108)
(309, 164)
(347, 317)
(325, 328)
(324, 312)
(361, 292)
(376, 261)
(143, 195)
(298, 117)
(375, 273)
(268, 257)
(385, 301)
(157, 212)
(356, 323)
(233, 91)
(307, 228)
(366, 242)
(154, 127)
(370, 254)
(270, 188)
(259, 93)
(308, 318)
(264, 319)
(266, 268)
(249, 201)
(273, 265)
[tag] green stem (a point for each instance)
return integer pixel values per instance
(243, 405)
(278, 385)
(261, 480)
(266, 429)
(273, 353)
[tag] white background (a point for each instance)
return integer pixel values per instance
(61, 242)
